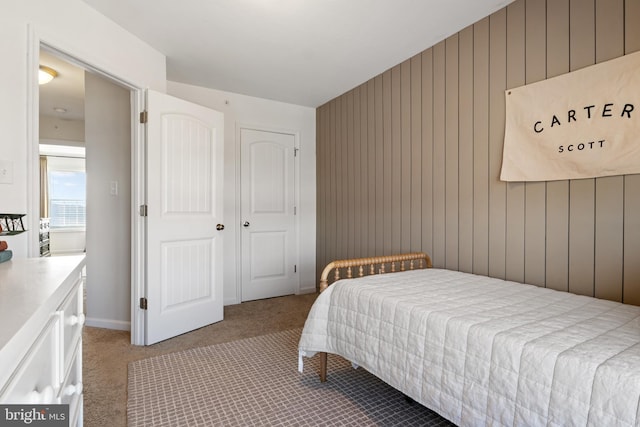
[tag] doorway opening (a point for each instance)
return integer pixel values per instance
(62, 158)
(85, 137)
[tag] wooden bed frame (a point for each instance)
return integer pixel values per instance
(470, 346)
(366, 267)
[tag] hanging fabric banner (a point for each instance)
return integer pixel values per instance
(583, 124)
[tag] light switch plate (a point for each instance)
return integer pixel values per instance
(6, 172)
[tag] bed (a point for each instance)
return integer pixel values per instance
(478, 350)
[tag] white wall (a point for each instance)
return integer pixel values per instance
(78, 30)
(55, 128)
(268, 115)
(74, 28)
(108, 154)
(67, 242)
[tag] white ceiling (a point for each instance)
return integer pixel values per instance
(65, 92)
(304, 52)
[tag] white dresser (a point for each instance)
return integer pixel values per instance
(41, 334)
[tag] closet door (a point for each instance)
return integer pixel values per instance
(268, 214)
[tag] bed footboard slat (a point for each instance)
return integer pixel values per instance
(416, 260)
(420, 258)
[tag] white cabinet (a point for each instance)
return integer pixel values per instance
(41, 339)
(36, 377)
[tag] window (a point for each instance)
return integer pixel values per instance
(67, 192)
(67, 199)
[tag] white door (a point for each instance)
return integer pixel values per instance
(268, 224)
(184, 199)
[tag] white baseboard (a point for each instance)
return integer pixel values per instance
(231, 301)
(307, 290)
(118, 325)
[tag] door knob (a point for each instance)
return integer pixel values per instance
(220, 227)
(245, 224)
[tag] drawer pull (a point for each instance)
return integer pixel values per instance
(44, 396)
(76, 320)
(72, 389)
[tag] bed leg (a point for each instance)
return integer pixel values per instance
(323, 367)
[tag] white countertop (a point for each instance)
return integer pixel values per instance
(30, 290)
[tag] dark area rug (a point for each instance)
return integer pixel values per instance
(255, 382)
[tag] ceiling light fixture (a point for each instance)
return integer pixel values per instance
(46, 74)
(60, 110)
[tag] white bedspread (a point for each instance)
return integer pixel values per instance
(484, 351)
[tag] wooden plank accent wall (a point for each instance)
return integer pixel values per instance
(557, 203)
(535, 192)
(410, 160)
(631, 191)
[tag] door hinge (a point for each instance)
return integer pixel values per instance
(295, 268)
(295, 210)
(143, 210)
(143, 303)
(143, 117)
(295, 152)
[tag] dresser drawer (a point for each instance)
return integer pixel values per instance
(71, 390)
(72, 321)
(38, 376)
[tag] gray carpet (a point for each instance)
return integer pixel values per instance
(255, 382)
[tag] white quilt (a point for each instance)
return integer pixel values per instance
(482, 351)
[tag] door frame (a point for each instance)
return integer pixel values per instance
(238, 199)
(35, 40)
